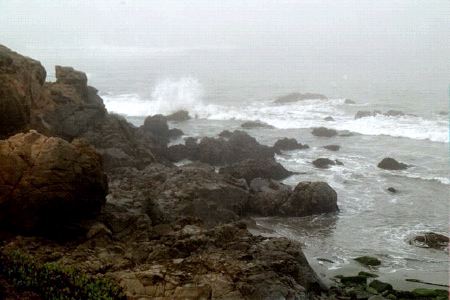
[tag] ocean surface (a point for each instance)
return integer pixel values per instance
(222, 88)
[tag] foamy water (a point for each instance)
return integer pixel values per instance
(186, 93)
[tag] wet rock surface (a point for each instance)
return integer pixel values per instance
(389, 163)
(250, 169)
(287, 144)
(256, 124)
(431, 240)
(324, 132)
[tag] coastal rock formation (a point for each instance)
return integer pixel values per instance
(179, 116)
(332, 147)
(250, 169)
(288, 144)
(324, 132)
(389, 163)
(431, 240)
(68, 107)
(46, 182)
(294, 97)
(390, 113)
(309, 198)
(21, 81)
(256, 124)
(269, 195)
(218, 151)
(325, 163)
(186, 261)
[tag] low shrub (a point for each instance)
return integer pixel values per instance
(56, 282)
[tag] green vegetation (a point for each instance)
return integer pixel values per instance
(55, 282)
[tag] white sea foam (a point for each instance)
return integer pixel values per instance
(186, 93)
(168, 96)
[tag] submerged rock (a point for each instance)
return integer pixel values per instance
(332, 147)
(323, 163)
(368, 260)
(329, 118)
(256, 124)
(250, 169)
(288, 144)
(380, 286)
(391, 164)
(324, 132)
(47, 183)
(179, 116)
(392, 190)
(430, 240)
(294, 97)
(309, 198)
(349, 101)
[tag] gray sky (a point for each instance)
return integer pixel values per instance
(379, 26)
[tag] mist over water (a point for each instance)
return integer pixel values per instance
(226, 61)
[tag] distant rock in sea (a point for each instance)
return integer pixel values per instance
(294, 97)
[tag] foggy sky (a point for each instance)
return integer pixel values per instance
(411, 31)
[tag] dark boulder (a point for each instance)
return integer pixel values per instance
(256, 124)
(294, 97)
(329, 118)
(251, 168)
(195, 191)
(323, 163)
(288, 144)
(332, 147)
(156, 128)
(175, 133)
(391, 164)
(392, 190)
(368, 261)
(47, 183)
(179, 116)
(430, 240)
(225, 134)
(268, 196)
(324, 132)
(309, 198)
(238, 147)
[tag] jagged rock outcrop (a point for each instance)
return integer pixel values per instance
(21, 81)
(46, 182)
(288, 144)
(237, 147)
(294, 97)
(68, 107)
(251, 168)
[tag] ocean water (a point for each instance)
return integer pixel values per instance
(222, 89)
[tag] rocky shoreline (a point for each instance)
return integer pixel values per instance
(81, 188)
